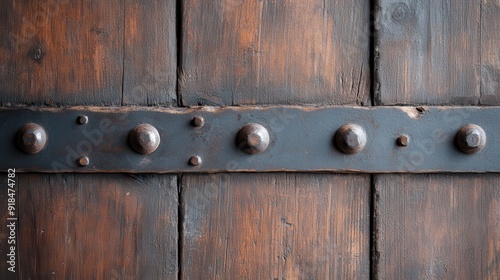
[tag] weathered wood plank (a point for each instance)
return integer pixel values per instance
(274, 52)
(490, 52)
(60, 52)
(150, 63)
(98, 227)
(437, 226)
(275, 226)
(57, 52)
(429, 52)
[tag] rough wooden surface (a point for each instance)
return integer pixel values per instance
(275, 226)
(56, 52)
(98, 227)
(438, 226)
(274, 52)
(62, 52)
(150, 63)
(429, 52)
(490, 52)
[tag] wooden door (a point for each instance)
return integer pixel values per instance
(59, 53)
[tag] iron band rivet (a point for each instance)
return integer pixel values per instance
(350, 138)
(198, 121)
(471, 139)
(253, 138)
(31, 138)
(83, 161)
(403, 140)
(83, 119)
(144, 139)
(195, 160)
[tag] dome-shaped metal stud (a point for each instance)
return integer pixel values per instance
(144, 139)
(350, 138)
(253, 138)
(198, 121)
(195, 160)
(471, 139)
(31, 138)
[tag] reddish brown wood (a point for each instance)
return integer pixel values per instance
(150, 62)
(438, 226)
(275, 226)
(274, 52)
(54, 52)
(428, 52)
(59, 52)
(490, 52)
(98, 227)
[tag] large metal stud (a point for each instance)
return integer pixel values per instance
(350, 138)
(471, 139)
(253, 138)
(31, 138)
(144, 139)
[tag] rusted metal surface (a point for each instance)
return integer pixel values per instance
(300, 139)
(403, 140)
(471, 139)
(351, 138)
(144, 139)
(195, 160)
(198, 121)
(253, 138)
(31, 138)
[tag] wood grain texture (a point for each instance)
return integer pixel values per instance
(490, 52)
(150, 64)
(274, 52)
(61, 52)
(275, 226)
(98, 227)
(429, 52)
(438, 226)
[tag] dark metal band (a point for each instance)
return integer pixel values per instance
(251, 139)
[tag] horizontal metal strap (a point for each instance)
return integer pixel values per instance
(251, 139)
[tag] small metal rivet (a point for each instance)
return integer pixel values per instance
(195, 160)
(83, 161)
(144, 139)
(350, 138)
(31, 138)
(253, 138)
(403, 140)
(198, 121)
(471, 139)
(83, 119)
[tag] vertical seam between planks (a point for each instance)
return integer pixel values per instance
(375, 101)
(373, 53)
(374, 255)
(480, 52)
(180, 222)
